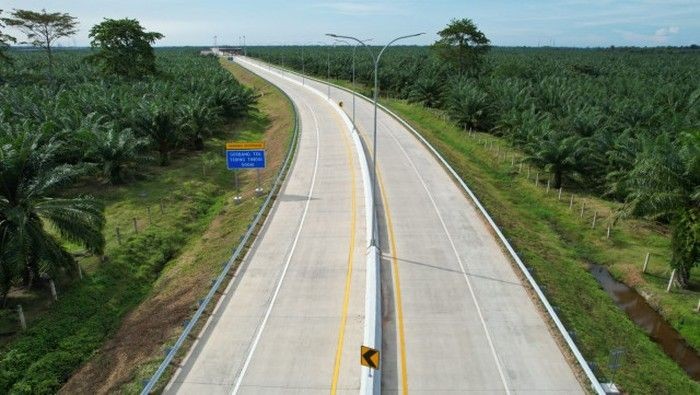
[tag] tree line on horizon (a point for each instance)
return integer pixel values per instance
(622, 125)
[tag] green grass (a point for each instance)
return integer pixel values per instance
(558, 246)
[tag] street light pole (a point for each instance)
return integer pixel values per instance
(303, 68)
(354, 47)
(376, 97)
(329, 72)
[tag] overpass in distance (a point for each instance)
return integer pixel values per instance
(455, 316)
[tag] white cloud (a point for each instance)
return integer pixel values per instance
(356, 8)
(660, 36)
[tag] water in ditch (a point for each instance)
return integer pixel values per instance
(650, 321)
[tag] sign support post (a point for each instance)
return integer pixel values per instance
(242, 156)
(259, 189)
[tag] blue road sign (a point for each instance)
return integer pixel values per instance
(245, 159)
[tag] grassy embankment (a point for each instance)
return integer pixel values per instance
(123, 311)
(558, 246)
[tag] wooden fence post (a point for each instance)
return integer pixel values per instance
(608, 234)
(547, 191)
(646, 262)
(52, 285)
(119, 237)
(537, 179)
(595, 216)
(559, 198)
(571, 202)
(670, 281)
(583, 207)
(22, 320)
(136, 228)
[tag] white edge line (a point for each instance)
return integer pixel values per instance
(370, 379)
(459, 260)
(256, 339)
(595, 384)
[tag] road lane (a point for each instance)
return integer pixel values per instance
(292, 319)
(469, 323)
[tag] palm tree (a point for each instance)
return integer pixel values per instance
(116, 152)
(467, 104)
(158, 121)
(665, 183)
(196, 121)
(556, 152)
(30, 205)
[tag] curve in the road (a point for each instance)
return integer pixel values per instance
(272, 301)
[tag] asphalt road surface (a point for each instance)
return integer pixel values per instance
(456, 317)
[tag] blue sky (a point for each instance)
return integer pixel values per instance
(508, 22)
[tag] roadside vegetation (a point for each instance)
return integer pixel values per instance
(105, 177)
(618, 128)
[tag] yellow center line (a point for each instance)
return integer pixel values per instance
(395, 275)
(397, 285)
(348, 277)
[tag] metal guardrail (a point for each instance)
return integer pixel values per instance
(594, 382)
(240, 248)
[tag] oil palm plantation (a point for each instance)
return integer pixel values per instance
(34, 218)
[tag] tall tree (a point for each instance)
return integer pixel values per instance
(462, 45)
(124, 47)
(5, 41)
(43, 28)
(30, 182)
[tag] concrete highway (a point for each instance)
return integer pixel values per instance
(456, 317)
(292, 319)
